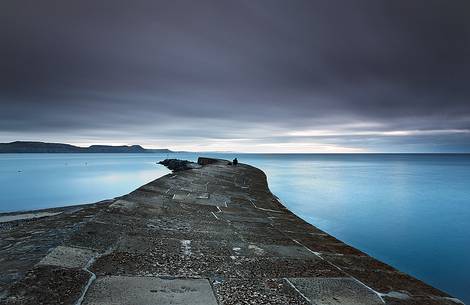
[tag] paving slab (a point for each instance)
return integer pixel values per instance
(335, 291)
(68, 257)
(260, 249)
(256, 291)
(48, 285)
(122, 290)
(201, 198)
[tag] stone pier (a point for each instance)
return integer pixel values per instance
(212, 234)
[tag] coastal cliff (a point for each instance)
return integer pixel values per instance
(210, 234)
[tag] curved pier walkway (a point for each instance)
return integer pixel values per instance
(204, 236)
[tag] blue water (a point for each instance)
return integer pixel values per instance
(36, 181)
(411, 211)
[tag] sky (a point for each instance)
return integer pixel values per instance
(245, 75)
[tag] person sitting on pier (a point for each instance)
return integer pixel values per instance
(235, 161)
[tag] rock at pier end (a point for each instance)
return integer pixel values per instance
(177, 165)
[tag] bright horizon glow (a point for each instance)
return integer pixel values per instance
(272, 140)
(244, 148)
(324, 133)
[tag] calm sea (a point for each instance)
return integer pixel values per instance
(411, 211)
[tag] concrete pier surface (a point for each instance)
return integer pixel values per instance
(212, 234)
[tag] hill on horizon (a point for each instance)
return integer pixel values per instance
(43, 147)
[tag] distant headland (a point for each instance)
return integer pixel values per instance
(42, 147)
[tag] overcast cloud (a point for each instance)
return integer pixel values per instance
(318, 76)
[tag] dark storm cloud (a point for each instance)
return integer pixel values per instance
(248, 70)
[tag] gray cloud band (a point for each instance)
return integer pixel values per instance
(79, 66)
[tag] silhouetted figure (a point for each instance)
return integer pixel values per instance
(235, 161)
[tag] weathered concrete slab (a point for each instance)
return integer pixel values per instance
(122, 290)
(257, 291)
(203, 198)
(257, 249)
(335, 291)
(95, 235)
(68, 257)
(48, 285)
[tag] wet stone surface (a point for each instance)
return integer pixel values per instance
(213, 234)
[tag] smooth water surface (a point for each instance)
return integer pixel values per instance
(411, 211)
(36, 181)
